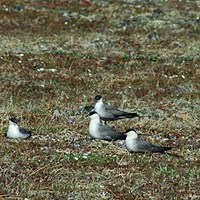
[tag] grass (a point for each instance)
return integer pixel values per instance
(140, 56)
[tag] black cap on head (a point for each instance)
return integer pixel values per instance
(92, 113)
(130, 129)
(97, 97)
(13, 119)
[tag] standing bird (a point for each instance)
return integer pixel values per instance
(134, 144)
(104, 132)
(15, 132)
(110, 113)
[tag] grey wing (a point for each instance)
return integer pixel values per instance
(145, 146)
(25, 134)
(113, 110)
(24, 131)
(109, 133)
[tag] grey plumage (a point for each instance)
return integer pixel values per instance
(105, 132)
(15, 132)
(135, 144)
(26, 134)
(110, 113)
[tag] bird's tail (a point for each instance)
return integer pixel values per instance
(167, 148)
(130, 115)
(27, 135)
(122, 137)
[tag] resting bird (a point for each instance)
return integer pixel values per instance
(110, 113)
(134, 144)
(104, 132)
(15, 132)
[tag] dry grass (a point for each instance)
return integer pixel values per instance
(140, 56)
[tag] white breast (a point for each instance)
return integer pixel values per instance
(98, 107)
(93, 130)
(13, 131)
(131, 144)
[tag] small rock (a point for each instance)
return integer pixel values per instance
(84, 109)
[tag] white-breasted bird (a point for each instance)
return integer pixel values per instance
(110, 113)
(15, 131)
(135, 144)
(100, 131)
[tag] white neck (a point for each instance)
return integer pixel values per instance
(95, 119)
(13, 130)
(131, 135)
(94, 126)
(98, 105)
(131, 141)
(12, 123)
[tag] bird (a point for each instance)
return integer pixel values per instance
(110, 113)
(15, 131)
(135, 144)
(100, 131)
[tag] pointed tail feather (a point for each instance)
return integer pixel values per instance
(130, 115)
(167, 148)
(119, 137)
(122, 137)
(156, 149)
(174, 155)
(27, 135)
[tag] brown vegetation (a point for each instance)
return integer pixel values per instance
(141, 56)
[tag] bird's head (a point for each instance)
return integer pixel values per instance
(131, 133)
(97, 98)
(13, 121)
(93, 115)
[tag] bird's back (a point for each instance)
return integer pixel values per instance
(24, 133)
(145, 146)
(109, 133)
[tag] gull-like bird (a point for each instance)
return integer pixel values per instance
(100, 131)
(134, 144)
(15, 131)
(110, 113)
